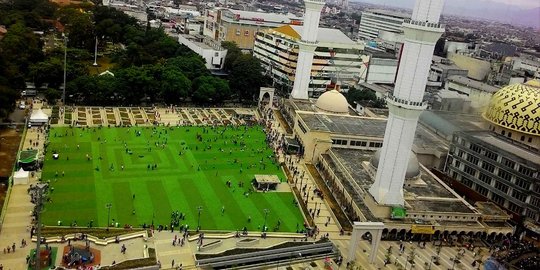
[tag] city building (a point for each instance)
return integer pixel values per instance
(374, 21)
(441, 69)
(212, 52)
(336, 56)
(478, 93)
(478, 68)
(241, 26)
(502, 163)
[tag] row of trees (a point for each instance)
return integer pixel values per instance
(150, 67)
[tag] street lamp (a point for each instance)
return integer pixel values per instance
(108, 206)
(266, 211)
(65, 69)
(199, 209)
(39, 205)
(95, 54)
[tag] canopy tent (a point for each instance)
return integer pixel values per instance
(28, 160)
(38, 117)
(21, 177)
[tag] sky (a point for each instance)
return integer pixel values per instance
(524, 4)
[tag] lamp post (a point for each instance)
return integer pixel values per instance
(199, 209)
(108, 206)
(95, 54)
(266, 211)
(39, 204)
(65, 69)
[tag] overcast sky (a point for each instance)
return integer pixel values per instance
(526, 4)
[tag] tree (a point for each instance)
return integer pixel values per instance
(8, 98)
(191, 66)
(174, 86)
(246, 77)
(208, 89)
(233, 52)
(52, 95)
(356, 96)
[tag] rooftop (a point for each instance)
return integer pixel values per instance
(473, 83)
(445, 123)
(391, 13)
(328, 35)
(518, 151)
(347, 125)
(432, 196)
(265, 17)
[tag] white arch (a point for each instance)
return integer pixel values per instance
(270, 91)
(359, 229)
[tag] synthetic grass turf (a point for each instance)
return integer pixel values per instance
(182, 182)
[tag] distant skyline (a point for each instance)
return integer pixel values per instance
(518, 12)
(524, 4)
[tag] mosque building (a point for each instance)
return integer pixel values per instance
(369, 164)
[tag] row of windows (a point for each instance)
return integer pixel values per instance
(357, 143)
(302, 128)
(339, 142)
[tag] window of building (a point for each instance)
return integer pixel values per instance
(519, 195)
(504, 175)
(472, 159)
(515, 208)
(460, 153)
(526, 171)
(491, 155)
(482, 190)
(502, 187)
(488, 166)
(508, 163)
(522, 138)
(457, 164)
(485, 178)
(535, 201)
(339, 142)
(497, 199)
(475, 148)
(530, 139)
(466, 181)
(503, 132)
(509, 134)
(522, 183)
(469, 170)
(531, 214)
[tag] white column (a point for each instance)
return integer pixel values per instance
(307, 47)
(302, 75)
(398, 138)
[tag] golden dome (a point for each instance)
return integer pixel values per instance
(516, 107)
(333, 102)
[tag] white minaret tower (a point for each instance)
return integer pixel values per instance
(421, 33)
(307, 47)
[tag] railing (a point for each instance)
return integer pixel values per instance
(406, 102)
(426, 24)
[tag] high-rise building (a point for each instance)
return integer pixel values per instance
(336, 55)
(406, 102)
(375, 21)
(307, 46)
(241, 26)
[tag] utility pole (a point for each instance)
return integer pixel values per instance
(40, 189)
(108, 206)
(266, 211)
(199, 209)
(65, 69)
(95, 54)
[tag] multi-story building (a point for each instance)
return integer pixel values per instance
(373, 21)
(336, 57)
(241, 26)
(502, 164)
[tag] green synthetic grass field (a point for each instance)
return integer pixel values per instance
(183, 180)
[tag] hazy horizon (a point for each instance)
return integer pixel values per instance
(519, 12)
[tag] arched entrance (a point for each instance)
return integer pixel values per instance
(266, 94)
(370, 231)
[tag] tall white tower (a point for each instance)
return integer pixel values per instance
(405, 104)
(307, 47)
